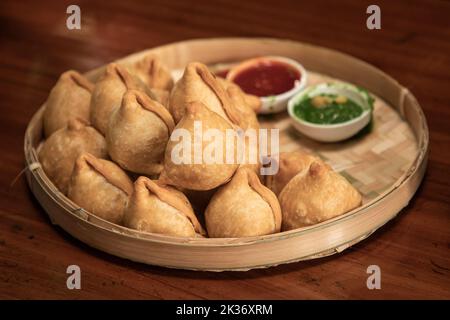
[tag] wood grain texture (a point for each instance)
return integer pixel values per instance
(35, 47)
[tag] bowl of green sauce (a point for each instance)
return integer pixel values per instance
(331, 112)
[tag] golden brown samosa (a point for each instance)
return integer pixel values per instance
(157, 208)
(60, 151)
(198, 84)
(153, 73)
(185, 160)
(290, 164)
(138, 132)
(243, 208)
(315, 195)
(108, 93)
(100, 187)
(68, 99)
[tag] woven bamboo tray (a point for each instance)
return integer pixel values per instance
(386, 166)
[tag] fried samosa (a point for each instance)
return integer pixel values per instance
(243, 208)
(68, 99)
(153, 73)
(157, 208)
(60, 151)
(138, 132)
(185, 161)
(108, 93)
(100, 187)
(198, 84)
(290, 164)
(315, 195)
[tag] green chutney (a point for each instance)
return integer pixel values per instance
(327, 109)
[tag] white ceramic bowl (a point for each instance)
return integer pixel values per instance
(275, 103)
(332, 132)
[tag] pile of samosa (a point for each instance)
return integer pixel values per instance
(107, 147)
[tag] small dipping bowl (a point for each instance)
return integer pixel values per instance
(283, 76)
(332, 132)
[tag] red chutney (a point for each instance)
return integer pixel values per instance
(267, 78)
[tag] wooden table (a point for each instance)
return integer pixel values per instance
(35, 47)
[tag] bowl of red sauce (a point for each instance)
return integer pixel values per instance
(272, 78)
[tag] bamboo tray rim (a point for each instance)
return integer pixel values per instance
(53, 193)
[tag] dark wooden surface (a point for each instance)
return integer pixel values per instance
(35, 47)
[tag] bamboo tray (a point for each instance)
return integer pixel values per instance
(386, 166)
